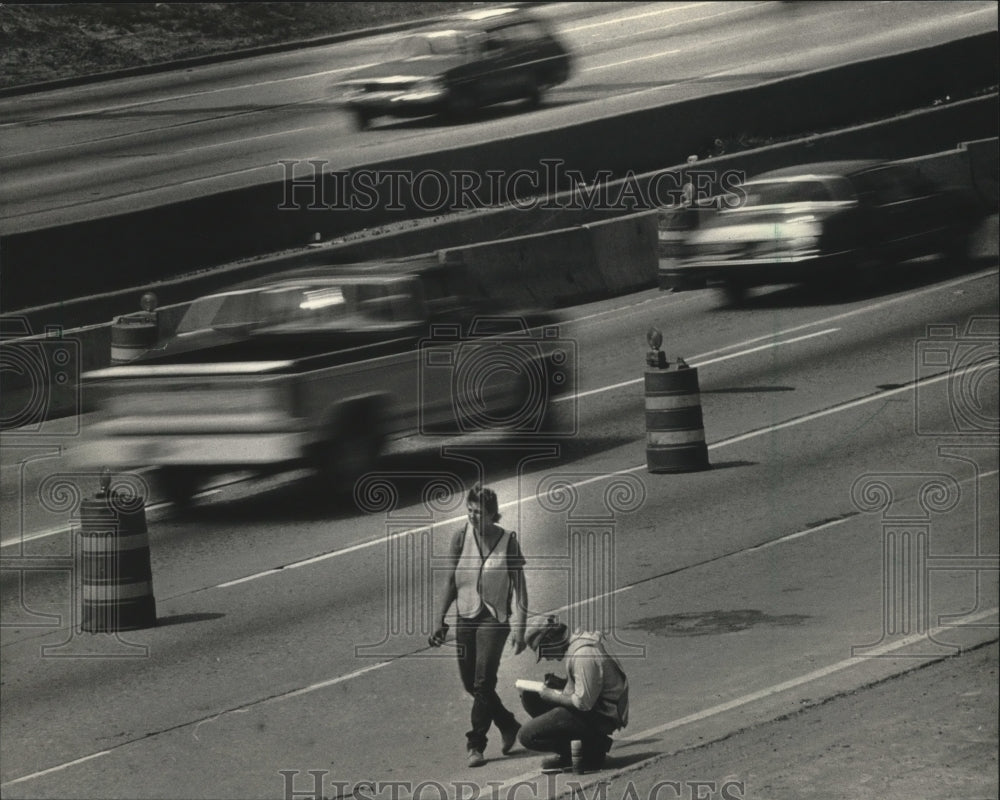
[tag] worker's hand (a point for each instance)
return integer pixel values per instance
(437, 638)
(517, 642)
(553, 681)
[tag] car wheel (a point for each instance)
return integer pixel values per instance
(362, 119)
(344, 458)
(461, 103)
(867, 272)
(533, 93)
(734, 293)
(957, 251)
(179, 484)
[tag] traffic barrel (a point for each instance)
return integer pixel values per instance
(116, 578)
(132, 335)
(675, 431)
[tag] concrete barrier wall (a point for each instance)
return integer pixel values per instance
(541, 269)
(570, 265)
(624, 252)
(930, 130)
(151, 245)
(984, 172)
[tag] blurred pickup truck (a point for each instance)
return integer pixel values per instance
(318, 368)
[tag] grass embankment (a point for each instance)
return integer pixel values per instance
(42, 42)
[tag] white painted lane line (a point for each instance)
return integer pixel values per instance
(737, 9)
(382, 540)
(755, 549)
(354, 67)
(645, 15)
(795, 329)
(697, 716)
(669, 300)
(631, 60)
(770, 691)
(188, 96)
(695, 363)
(58, 768)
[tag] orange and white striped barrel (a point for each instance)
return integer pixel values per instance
(116, 578)
(132, 335)
(675, 433)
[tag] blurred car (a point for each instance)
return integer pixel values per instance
(319, 367)
(835, 222)
(474, 60)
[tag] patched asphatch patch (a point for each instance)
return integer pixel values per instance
(704, 623)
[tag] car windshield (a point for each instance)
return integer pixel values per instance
(313, 305)
(773, 193)
(432, 43)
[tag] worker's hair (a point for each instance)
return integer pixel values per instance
(486, 498)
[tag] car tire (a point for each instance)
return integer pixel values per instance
(180, 484)
(461, 104)
(957, 251)
(345, 457)
(867, 272)
(734, 293)
(534, 93)
(362, 119)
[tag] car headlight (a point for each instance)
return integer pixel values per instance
(798, 244)
(426, 87)
(349, 92)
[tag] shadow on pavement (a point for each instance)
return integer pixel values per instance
(182, 619)
(408, 477)
(901, 277)
(731, 464)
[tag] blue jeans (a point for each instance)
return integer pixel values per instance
(480, 645)
(552, 728)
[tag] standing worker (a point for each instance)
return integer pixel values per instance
(588, 705)
(487, 584)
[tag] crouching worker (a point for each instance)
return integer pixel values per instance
(589, 704)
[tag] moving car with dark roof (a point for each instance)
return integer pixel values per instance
(837, 221)
(476, 59)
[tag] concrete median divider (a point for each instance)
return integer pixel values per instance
(984, 173)
(564, 266)
(567, 266)
(624, 252)
(547, 268)
(158, 243)
(926, 131)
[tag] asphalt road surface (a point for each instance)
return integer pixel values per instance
(121, 145)
(846, 532)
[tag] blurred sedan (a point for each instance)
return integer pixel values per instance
(833, 221)
(475, 60)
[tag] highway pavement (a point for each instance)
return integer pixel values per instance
(101, 149)
(846, 532)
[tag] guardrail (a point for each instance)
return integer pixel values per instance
(154, 244)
